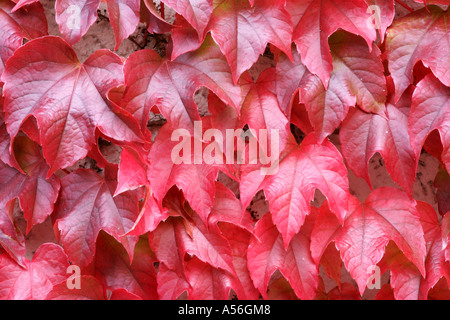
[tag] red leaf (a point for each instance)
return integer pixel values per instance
(383, 13)
(266, 253)
(196, 180)
(177, 235)
(314, 21)
(90, 289)
(346, 292)
(233, 23)
(406, 280)
(38, 195)
(184, 37)
(12, 241)
(446, 235)
(280, 289)
(206, 282)
(387, 214)
(170, 85)
(289, 77)
(385, 293)
(124, 18)
(430, 111)
(196, 12)
(150, 216)
(170, 284)
(132, 171)
(67, 98)
(364, 134)
(75, 18)
(155, 23)
(332, 264)
(86, 206)
(116, 271)
(46, 269)
(302, 169)
(29, 23)
(260, 111)
(425, 35)
(227, 208)
(357, 78)
(239, 241)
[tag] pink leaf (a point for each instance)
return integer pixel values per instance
(46, 269)
(67, 98)
(85, 207)
(430, 111)
(302, 169)
(267, 253)
(425, 35)
(316, 20)
(17, 25)
(233, 23)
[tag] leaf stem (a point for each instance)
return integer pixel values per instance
(404, 5)
(163, 15)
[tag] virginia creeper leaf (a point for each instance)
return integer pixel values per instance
(315, 21)
(387, 214)
(90, 289)
(46, 269)
(234, 22)
(357, 78)
(422, 35)
(364, 134)
(196, 12)
(114, 268)
(267, 253)
(170, 85)
(76, 17)
(302, 169)
(430, 110)
(67, 98)
(18, 25)
(86, 206)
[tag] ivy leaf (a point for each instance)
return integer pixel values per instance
(46, 269)
(75, 18)
(39, 194)
(267, 253)
(67, 98)
(17, 25)
(185, 233)
(90, 289)
(115, 269)
(170, 85)
(302, 169)
(430, 111)
(234, 22)
(315, 21)
(387, 214)
(196, 180)
(364, 134)
(12, 241)
(206, 282)
(87, 206)
(357, 78)
(422, 35)
(239, 240)
(196, 12)
(406, 280)
(383, 13)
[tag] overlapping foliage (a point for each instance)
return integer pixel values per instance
(149, 228)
